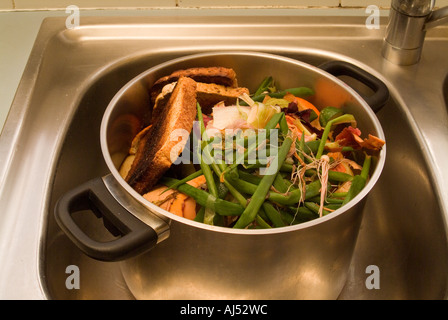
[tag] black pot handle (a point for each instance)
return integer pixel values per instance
(135, 237)
(342, 68)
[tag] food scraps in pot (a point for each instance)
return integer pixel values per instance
(263, 160)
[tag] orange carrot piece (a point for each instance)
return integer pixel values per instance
(189, 208)
(163, 200)
(179, 204)
(306, 105)
(301, 103)
(197, 182)
(177, 207)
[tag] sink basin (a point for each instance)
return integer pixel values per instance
(445, 91)
(50, 144)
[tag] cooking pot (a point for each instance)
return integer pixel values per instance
(164, 256)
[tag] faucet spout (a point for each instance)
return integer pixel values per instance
(437, 18)
(405, 34)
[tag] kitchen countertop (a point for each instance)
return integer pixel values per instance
(18, 31)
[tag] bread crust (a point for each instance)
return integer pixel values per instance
(153, 155)
(207, 95)
(217, 75)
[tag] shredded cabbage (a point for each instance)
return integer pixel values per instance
(260, 114)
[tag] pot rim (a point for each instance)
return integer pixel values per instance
(166, 215)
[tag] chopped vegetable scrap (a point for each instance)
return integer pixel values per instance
(270, 159)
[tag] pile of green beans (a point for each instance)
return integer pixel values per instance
(238, 196)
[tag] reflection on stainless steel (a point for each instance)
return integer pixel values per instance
(408, 23)
(50, 143)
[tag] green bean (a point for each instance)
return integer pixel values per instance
(249, 177)
(339, 194)
(328, 113)
(292, 197)
(263, 214)
(287, 217)
(280, 184)
(312, 147)
(286, 167)
(337, 176)
(264, 85)
(272, 123)
(205, 199)
(208, 174)
(359, 181)
(273, 215)
(283, 125)
(238, 196)
(261, 222)
(299, 215)
(200, 215)
(250, 188)
(242, 185)
(342, 119)
(327, 200)
(301, 146)
(209, 214)
(260, 193)
(218, 220)
(331, 200)
(312, 189)
(222, 188)
(233, 174)
(366, 166)
(333, 206)
(301, 92)
(357, 185)
(315, 208)
(218, 170)
(185, 180)
(200, 118)
(334, 176)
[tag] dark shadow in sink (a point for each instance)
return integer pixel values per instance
(445, 91)
(402, 232)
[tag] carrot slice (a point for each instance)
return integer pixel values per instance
(177, 207)
(189, 208)
(197, 182)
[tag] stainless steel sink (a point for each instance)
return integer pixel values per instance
(50, 144)
(445, 91)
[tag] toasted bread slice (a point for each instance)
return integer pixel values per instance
(207, 95)
(154, 154)
(218, 75)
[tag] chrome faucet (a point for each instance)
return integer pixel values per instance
(405, 34)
